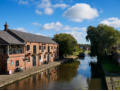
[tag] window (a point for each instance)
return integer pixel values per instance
(44, 56)
(34, 49)
(28, 47)
(44, 47)
(39, 47)
(48, 48)
(40, 57)
(16, 49)
(17, 63)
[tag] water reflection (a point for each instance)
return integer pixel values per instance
(61, 77)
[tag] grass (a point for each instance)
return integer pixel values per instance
(72, 63)
(111, 67)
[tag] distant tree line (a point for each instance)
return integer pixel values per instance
(84, 46)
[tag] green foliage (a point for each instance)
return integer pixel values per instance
(109, 65)
(77, 50)
(102, 38)
(71, 64)
(67, 44)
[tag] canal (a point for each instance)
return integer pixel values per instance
(62, 78)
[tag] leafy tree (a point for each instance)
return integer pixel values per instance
(102, 38)
(66, 43)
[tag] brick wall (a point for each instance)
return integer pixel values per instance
(26, 59)
(42, 54)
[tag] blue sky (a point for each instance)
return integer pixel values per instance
(48, 17)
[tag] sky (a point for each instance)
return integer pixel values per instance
(50, 17)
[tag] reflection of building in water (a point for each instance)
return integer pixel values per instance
(53, 74)
(37, 81)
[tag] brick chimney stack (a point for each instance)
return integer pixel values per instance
(6, 26)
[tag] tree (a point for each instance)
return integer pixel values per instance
(102, 38)
(66, 43)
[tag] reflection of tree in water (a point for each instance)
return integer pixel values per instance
(97, 77)
(67, 71)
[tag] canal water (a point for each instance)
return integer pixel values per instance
(62, 78)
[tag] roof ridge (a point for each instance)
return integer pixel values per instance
(28, 33)
(30, 37)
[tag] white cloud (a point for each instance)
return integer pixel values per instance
(24, 2)
(48, 7)
(21, 29)
(57, 26)
(44, 4)
(80, 12)
(41, 34)
(113, 21)
(38, 12)
(36, 24)
(79, 36)
(48, 11)
(74, 28)
(78, 32)
(63, 6)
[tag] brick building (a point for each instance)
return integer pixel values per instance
(25, 50)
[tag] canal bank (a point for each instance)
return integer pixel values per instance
(111, 73)
(112, 80)
(8, 79)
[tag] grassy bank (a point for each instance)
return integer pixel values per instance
(71, 63)
(110, 66)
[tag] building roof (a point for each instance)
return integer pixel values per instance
(6, 38)
(29, 37)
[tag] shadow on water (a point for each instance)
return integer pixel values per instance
(97, 76)
(71, 76)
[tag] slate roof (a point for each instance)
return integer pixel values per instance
(6, 38)
(29, 37)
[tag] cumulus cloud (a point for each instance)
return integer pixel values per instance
(78, 32)
(36, 24)
(57, 27)
(48, 7)
(60, 6)
(79, 36)
(60, 27)
(52, 25)
(21, 29)
(38, 12)
(80, 12)
(44, 6)
(48, 11)
(113, 21)
(24, 2)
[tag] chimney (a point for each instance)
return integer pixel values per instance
(6, 26)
